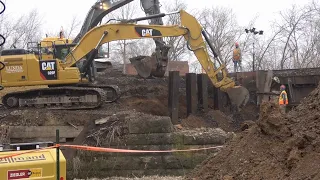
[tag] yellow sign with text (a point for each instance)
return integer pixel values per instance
(35, 172)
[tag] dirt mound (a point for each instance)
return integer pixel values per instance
(212, 119)
(156, 105)
(142, 178)
(276, 147)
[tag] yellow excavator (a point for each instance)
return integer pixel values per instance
(68, 89)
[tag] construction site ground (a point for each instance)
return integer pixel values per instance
(149, 96)
(277, 146)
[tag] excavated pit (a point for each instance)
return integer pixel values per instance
(275, 147)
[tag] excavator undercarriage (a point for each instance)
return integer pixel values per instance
(64, 97)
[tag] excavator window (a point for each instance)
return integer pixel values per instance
(8, 52)
(61, 51)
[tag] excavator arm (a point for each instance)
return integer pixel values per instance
(102, 7)
(190, 29)
(96, 13)
(159, 58)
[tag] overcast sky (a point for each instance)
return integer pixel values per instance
(57, 13)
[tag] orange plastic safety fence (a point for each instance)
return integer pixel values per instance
(101, 149)
(109, 150)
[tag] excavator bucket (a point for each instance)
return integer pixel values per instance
(102, 65)
(239, 96)
(147, 66)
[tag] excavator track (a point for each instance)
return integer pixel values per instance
(112, 92)
(61, 97)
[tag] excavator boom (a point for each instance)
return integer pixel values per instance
(158, 61)
(95, 15)
(97, 12)
(189, 28)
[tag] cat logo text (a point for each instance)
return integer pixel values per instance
(146, 32)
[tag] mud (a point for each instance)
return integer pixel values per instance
(142, 178)
(148, 96)
(275, 147)
(213, 119)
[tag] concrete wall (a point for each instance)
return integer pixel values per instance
(145, 134)
(18, 134)
(303, 82)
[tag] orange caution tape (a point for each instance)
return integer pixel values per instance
(101, 149)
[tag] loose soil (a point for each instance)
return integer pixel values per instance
(148, 96)
(143, 178)
(275, 147)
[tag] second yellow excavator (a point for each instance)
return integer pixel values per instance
(29, 68)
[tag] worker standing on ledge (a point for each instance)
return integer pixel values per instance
(283, 99)
(237, 58)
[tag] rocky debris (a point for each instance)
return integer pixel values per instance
(213, 118)
(125, 124)
(4, 134)
(275, 147)
(142, 178)
(143, 103)
(204, 136)
(148, 96)
(44, 117)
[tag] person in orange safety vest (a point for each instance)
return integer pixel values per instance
(283, 99)
(237, 57)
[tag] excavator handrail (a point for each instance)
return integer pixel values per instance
(189, 28)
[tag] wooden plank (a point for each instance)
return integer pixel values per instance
(43, 131)
(216, 94)
(173, 100)
(191, 93)
(203, 91)
(29, 140)
(267, 85)
(260, 80)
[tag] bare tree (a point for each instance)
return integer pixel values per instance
(299, 31)
(121, 47)
(178, 49)
(263, 51)
(71, 31)
(293, 20)
(223, 31)
(19, 32)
